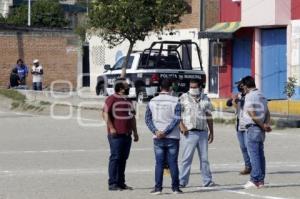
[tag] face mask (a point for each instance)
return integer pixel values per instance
(240, 89)
(194, 91)
(126, 92)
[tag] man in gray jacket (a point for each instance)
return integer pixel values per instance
(162, 118)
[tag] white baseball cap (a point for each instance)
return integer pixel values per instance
(35, 61)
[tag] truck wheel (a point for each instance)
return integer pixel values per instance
(140, 95)
(100, 89)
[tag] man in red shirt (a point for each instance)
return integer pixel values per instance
(118, 112)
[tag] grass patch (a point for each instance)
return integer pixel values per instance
(44, 103)
(13, 94)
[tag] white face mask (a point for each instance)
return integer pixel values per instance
(194, 91)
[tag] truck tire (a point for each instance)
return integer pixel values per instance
(100, 89)
(140, 94)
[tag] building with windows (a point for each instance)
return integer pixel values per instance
(258, 38)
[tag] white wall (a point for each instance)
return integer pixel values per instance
(265, 12)
(294, 64)
(100, 54)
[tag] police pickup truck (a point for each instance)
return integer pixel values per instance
(145, 70)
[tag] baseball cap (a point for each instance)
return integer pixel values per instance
(35, 61)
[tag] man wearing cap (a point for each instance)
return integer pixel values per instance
(238, 101)
(37, 75)
(257, 120)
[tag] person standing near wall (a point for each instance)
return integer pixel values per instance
(37, 75)
(22, 72)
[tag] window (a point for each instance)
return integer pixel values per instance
(218, 54)
(120, 62)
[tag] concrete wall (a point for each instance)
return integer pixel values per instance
(58, 52)
(100, 54)
(265, 13)
(294, 55)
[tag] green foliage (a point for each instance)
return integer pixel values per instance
(290, 86)
(13, 94)
(2, 19)
(18, 16)
(118, 20)
(44, 13)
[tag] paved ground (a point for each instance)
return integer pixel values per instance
(42, 157)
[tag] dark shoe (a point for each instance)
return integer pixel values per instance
(114, 188)
(246, 171)
(182, 186)
(177, 191)
(155, 191)
(125, 187)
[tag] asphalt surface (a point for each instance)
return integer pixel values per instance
(43, 157)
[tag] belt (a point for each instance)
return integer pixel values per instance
(196, 130)
(251, 125)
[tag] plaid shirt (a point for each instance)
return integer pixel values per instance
(193, 111)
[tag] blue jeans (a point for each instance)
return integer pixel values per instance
(37, 86)
(255, 145)
(166, 150)
(242, 137)
(192, 141)
(119, 153)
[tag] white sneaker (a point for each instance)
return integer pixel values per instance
(210, 184)
(250, 185)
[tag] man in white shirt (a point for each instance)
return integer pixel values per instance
(197, 129)
(37, 75)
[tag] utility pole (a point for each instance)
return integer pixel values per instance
(202, 15)
(29, 12)
(87, 7)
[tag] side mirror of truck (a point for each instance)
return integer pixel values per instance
(107, 67)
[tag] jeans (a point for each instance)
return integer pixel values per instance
(195, 140)
(37, 86)
(166, 150)
(242, 137)
(119, 152)
(255, 145)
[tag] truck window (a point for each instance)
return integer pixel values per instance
(170, 61)
(120, 62)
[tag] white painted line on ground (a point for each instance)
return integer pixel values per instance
(35, 115)
(39, 172)
(68, 151)
(254, 195)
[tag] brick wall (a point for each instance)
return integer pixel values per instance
(56, 50)
(192, 19)
(212, 13)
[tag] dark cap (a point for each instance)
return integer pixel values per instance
(238, 82)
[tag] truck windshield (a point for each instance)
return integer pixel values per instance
(120, 62)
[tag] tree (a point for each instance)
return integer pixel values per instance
(44, 13)
(133, 20)
(289, 90)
